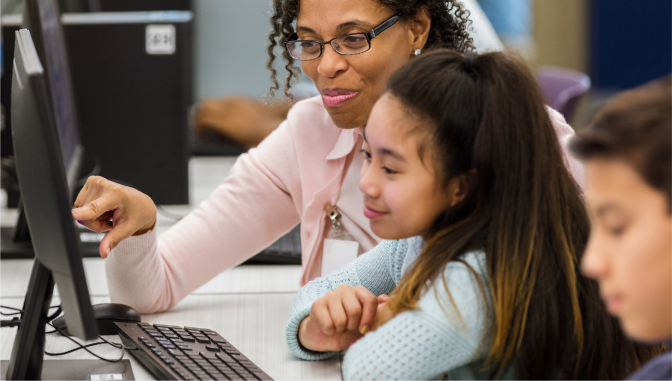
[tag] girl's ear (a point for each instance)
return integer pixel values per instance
(458, 188)
(420, 25)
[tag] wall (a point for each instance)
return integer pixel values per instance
(560, 33)
(230, 52)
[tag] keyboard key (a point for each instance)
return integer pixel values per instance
(212, 349)
(167, 326)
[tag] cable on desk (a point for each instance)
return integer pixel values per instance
(86, 347)
(18, 311)
(15, 322)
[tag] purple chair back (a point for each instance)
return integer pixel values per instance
(563, 88)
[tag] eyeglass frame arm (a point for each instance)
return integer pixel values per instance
(369, 36)
(382, 27)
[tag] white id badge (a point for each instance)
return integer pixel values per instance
(337, 253)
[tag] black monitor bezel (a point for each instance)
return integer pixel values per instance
(45, 195)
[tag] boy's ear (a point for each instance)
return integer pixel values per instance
(458, 188)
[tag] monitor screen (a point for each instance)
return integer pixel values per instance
(42, 18)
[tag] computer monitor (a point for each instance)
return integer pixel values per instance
(42, 19)
(46, 200)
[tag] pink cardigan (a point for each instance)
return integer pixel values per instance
(287, 179)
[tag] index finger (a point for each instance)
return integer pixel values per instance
(96, 208)
(369, 304)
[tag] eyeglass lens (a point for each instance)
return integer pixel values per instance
(349, 44)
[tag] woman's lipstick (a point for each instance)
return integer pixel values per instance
(372, 213)
(336, 97)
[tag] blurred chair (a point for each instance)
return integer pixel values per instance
(563, 88)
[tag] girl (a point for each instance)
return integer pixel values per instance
(461, 156)
(627, 150)
(310, 162)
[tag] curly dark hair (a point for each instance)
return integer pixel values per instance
(450, 29)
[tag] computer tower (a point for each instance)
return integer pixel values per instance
(132, 78)
(124, 5)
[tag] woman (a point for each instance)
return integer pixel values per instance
(304, 168)
(627, 149)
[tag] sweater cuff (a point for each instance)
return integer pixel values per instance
(128, 250)
(293, 338)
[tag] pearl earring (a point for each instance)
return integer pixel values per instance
(417, 52)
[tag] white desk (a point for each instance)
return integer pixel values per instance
(247, 305)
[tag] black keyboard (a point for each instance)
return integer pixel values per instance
(284, 251)
(170, 352)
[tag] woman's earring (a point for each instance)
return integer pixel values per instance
(417, 52)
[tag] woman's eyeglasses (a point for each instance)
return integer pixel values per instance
(349, 44)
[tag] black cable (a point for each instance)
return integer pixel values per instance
(10, 323)
(16, 321)
(18, 311)
(86, 347)
(55, 314)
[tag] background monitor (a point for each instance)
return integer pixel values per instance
(42, 19)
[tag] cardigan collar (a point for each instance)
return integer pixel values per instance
(347, 140)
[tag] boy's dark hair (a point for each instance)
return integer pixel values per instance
(636, 126)
(449, 29)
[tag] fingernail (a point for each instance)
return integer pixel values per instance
(364, 330)
(80, 222)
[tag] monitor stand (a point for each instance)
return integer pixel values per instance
(16, 243)
(27, 359)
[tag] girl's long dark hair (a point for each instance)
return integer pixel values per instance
(523, 209)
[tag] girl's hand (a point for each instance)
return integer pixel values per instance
(338, 319)
(383, 312)
(106, 206)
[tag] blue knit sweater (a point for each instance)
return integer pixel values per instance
(434, 341)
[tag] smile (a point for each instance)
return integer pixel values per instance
(372, 213)
(336, 97)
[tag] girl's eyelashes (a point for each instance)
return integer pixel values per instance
(367, 157)
(389, 171)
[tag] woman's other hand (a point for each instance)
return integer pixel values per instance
(103, 205)
(338, 319)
